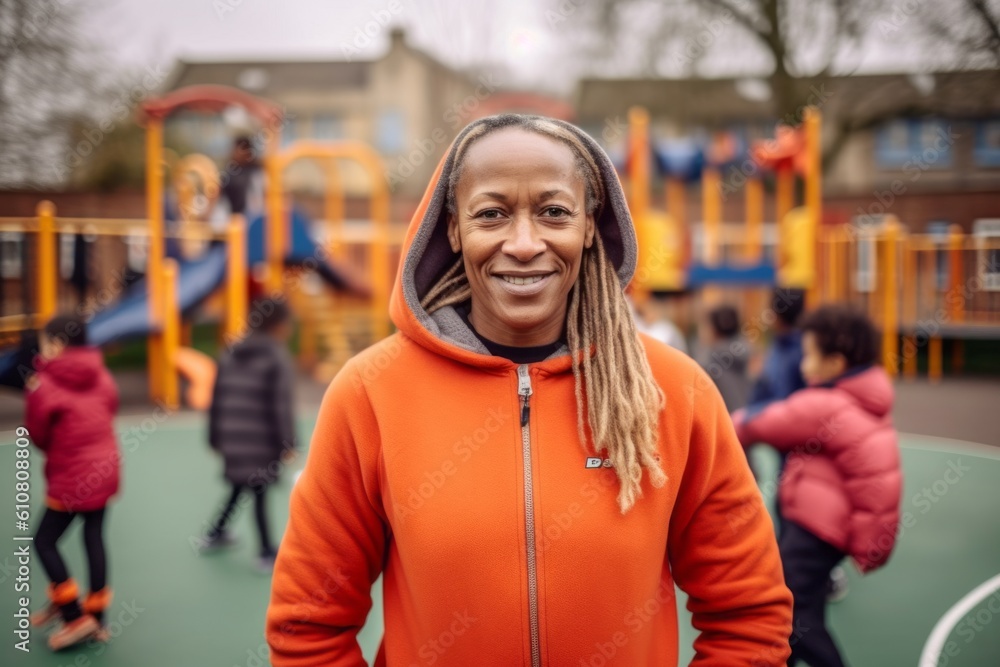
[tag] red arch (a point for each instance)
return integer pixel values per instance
(211, 99)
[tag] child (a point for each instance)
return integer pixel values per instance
(251, 420)
(725, 354)
(781, 375)
(70, 408)
(840, 492)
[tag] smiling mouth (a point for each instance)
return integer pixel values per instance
(524, 280)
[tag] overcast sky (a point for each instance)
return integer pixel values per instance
(517, 33)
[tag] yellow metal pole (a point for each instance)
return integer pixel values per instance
(711, 208)
(46, 265)
(956, 291)
(934, 355)
(784, 195)
(171, 335)
(813, 127)
(276, 223)
(755, 220)
(333, 207)
(830, 284)
(890, 302)
(677, 200)
(236, 277)
(308, 333)
(956, 274)
(154, 262)
(639, 181)
(910, 288)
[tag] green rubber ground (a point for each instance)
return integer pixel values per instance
(174, 607)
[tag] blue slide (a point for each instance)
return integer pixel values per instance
(196, 280)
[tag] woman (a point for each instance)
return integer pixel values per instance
(530, 476)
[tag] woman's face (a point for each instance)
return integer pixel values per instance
(521, 225)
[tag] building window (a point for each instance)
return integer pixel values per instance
(10, 254)
(892, 144)
(924, 144)
(327, 127)
(987, 147)
(390, 132)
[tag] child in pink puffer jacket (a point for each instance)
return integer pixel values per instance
(841, 487)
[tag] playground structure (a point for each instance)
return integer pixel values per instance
(918, 288)
(210, 263)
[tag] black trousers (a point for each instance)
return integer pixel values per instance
(54, 524)
(807, 561)
(259, 492)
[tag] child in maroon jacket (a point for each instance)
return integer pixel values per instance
(841, 488)
(70, 408)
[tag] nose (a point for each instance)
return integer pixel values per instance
(523, 242)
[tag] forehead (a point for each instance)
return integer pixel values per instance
(516, 154)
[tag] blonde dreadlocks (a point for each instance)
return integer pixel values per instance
(614, 384)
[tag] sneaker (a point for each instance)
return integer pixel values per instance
(264, 564)
(224, 540)
(74, 632)
(836, 590)
(46, 616)
(102, 635)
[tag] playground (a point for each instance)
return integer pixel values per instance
(934, 296)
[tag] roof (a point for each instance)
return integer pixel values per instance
(270, 78)
(267, 78)
(719, 101)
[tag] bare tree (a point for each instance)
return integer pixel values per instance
(796, 41)
(48, 71)
(971, 28)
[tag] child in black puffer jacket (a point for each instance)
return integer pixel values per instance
(251, 422)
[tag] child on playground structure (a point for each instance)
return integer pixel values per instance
(724, 355)
(251, 421)
(70, 409)
(841, 487)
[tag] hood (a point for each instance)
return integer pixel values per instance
(77, 368)
(871, 388)
(427, 255)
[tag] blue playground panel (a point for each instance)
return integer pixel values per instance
(756, 274)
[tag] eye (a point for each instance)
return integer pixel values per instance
(490, 214)
(554, 212)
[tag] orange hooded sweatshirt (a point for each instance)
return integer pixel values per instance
(460, 477)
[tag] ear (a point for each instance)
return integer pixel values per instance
(454, 239)
(589, 231)
(839, 363)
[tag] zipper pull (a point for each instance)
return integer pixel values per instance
(524, 391)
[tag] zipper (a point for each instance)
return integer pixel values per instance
(524, 391)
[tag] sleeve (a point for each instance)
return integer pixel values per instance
(38, 414)
(213, 409)
(722, 548)
(784, 425)
(761, 392)
(334, 546)
(284, 402)
(113, 397)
